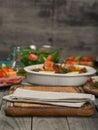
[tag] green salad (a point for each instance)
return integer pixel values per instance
(31, 56)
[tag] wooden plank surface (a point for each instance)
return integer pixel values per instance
(37, 109)
(68, 24)
(90, 123)
(9, 123)
(50, 123)
(85, 123)
(46, 123)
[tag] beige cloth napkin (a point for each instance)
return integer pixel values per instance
(52, 98)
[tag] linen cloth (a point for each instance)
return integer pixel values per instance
(51, 98)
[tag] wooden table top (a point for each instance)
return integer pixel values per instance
(46, 123)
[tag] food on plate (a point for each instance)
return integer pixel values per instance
(7, 72)
(81, 60)
(10, 81)
(8, 76)
(50, 66)
(93, 82)
(91, 85)
(37, 75)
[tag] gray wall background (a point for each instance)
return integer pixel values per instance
(71, 25)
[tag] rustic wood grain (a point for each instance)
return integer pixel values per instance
(83, 123)
(34, 109)
(50, 123)
(8, 123)
(70, 24)
(46, 123)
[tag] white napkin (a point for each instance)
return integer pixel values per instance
(52, 98)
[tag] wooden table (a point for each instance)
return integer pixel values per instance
(46, 123)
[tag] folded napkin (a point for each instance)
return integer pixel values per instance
(51, 98)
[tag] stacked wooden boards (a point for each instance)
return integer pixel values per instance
(32, 109)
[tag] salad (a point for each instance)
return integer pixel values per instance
(32, 56)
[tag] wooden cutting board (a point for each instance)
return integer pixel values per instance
(31, 109)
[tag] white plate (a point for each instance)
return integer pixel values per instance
(55, 79)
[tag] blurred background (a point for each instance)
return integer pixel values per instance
(71, 25)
